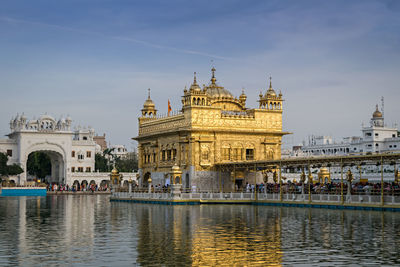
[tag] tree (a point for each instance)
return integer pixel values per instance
(127, 164)
(101, 163)
(6, 170)
(39, 164)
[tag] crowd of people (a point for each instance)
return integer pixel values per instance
(76, 187)
(392, 188)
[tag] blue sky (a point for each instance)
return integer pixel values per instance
(94, 60)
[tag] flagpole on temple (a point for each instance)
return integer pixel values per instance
(169, 108)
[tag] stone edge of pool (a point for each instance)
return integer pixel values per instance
(261, 203)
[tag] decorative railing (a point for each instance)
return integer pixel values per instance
(237, 114)
(299, 195)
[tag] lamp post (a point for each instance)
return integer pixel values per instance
(310, 180)
(130, 186)
(341, 181)
(302, 179)
(149, 183)
(349, 178)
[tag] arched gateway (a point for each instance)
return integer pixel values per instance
(70, 152)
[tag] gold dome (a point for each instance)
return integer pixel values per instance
(195, 87)
(148, 103)
(213, 90)
(377, 113)
(270, 91)
(175, 168)
(218, 92)
(114, 171)
(243, 96)
(324, 170)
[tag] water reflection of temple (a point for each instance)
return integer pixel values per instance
(237, 236)
(208, 235)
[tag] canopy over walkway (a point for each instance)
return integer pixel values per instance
(314, 162)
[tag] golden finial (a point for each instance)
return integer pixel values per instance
(213, 80)
(148, 93)
(194, 79)
(270, 82)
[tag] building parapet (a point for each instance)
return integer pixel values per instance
(163, 124)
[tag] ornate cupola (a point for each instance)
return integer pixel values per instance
(195, 96)
(377, 118)
(271, 101)
(149, 109)
(242, 98)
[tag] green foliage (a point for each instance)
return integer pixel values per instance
(104, 163)
(101, 163)
(6, 170)
(128, 164)
(14, 169)
(39, 164)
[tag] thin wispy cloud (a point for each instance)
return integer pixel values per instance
(119, 38)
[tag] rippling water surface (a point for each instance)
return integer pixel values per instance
(91, 231)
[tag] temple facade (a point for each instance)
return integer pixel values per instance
(212, 127)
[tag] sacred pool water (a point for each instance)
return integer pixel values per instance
(91, 231)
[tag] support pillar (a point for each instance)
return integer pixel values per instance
(310, 180)
(341, 182)
(280, 183)
(382, 185)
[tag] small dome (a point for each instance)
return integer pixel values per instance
(176, 168)
(324, 170)
(114, 171)
(148, 103)
(377, 113)
(270, 91)
(195, 87)
(243, 96)
(47, 117)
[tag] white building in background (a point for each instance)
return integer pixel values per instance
(71, 152)
(119, 151)
(375, 138)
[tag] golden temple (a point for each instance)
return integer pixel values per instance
(212, 127)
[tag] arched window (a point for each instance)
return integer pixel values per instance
(202, 101)
(194, 101)
(279, 105)
(270, 105)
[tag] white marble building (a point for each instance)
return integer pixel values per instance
(375, 138)
(72, 152)
(119, 151)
